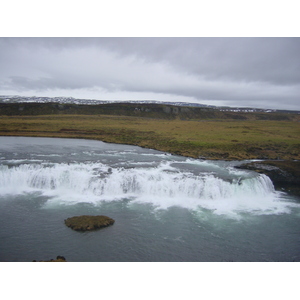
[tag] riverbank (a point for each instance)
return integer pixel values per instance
(208, 139)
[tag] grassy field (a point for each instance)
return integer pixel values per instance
(210, 139)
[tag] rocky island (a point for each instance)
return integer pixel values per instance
(88, 223)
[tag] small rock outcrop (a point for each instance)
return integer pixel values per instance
(88, 223)
(58, 259)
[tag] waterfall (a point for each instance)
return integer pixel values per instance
(161, 186)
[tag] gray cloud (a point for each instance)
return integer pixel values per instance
(261, 72)
(266, 59)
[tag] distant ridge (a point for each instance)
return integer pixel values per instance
(71, 100)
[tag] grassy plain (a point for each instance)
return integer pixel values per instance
(212, 139)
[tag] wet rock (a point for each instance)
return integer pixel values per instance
(58, 259)
(285, 175)
(88, 223)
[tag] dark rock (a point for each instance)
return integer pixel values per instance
(58, 259)
(88, 223)
(285, 175)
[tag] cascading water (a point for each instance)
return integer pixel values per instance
(163, 185)
(166, 208)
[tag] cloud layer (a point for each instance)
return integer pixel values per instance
(256, 72)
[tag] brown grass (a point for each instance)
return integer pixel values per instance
(213, 139)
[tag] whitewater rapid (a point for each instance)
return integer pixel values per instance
(163, 185)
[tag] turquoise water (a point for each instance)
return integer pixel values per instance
(166, 208)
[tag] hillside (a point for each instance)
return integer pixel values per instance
(144, 110)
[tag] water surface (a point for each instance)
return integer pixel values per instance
(166, 207)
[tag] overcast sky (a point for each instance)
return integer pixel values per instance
(254, 72)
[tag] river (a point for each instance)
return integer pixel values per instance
(166, 207)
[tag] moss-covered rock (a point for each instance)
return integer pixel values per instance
(88, 223)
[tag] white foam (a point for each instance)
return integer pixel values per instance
(22, 161)
(162, 186)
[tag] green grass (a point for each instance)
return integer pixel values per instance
(213, 139)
